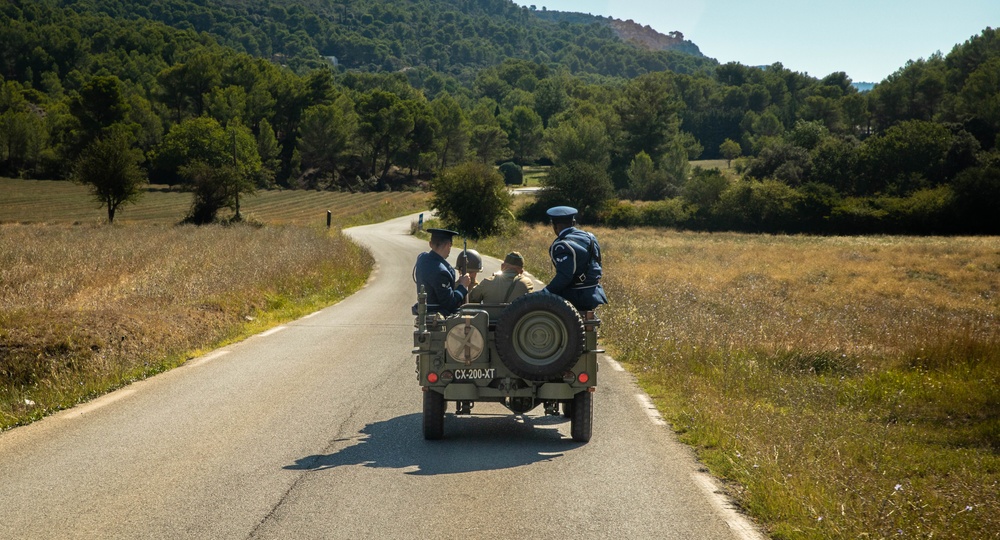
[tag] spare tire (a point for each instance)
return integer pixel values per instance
(539, 336)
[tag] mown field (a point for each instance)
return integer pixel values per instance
(843, 387)
(47, 201)
(86, 307)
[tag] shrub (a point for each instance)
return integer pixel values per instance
(622, 214)
(668, 213)
(472, 197)
(768, 206)
(512, 174)
(857, 215)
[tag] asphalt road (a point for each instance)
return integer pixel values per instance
(313, 430)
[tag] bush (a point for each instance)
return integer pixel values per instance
(668, 213)
(924, 212)
(768, 206)
(857, 215)
(512, 174)
(622, 214)
(472, 198)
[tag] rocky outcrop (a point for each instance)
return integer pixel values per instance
(644, 37)
(648, 38)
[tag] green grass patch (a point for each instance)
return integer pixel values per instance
(533, 175)
(720, 164)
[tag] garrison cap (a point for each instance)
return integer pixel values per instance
(514, 258)
(441, 234)
(561, 213)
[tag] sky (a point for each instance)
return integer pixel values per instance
(867, 39)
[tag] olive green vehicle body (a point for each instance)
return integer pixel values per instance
(458, 357)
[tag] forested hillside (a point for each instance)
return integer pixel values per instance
(225, 97)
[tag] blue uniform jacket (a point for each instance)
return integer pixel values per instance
(438, 278)
(577, 258)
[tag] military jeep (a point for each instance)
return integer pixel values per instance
(537, 350)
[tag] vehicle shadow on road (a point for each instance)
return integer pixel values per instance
(478, 443)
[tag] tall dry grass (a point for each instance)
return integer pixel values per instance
(850, 387)
(84, 309)
(845, 387)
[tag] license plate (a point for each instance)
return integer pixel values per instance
(469, 374)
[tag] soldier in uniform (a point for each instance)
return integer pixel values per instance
(504, 286)
(445, 292)
(469, 262)
(576, 256)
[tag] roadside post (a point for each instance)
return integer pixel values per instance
(329, 218)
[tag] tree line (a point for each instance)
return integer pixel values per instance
(225, 98)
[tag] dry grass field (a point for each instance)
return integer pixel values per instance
(86, 307)
(846, 387)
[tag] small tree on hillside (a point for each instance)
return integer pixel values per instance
(730, 150)
(473, 198)
(584, 186)
(218, 182)
(110, 168)
(212, 188)
(646, 183)
(489, 143)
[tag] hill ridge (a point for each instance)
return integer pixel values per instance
(642, 36)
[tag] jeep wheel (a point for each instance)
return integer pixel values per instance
(567, 408)
(582, 423)
(539, 336)
(433, 415)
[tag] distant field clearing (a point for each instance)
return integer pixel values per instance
(49, 201)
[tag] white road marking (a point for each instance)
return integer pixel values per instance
(313, 314)
(737, 522)
(650, 410)
(92, 406)
(614, 364)
(274, 330)
(207, 358)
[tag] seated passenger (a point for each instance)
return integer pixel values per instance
(504, 286)
(469, 262)
(445, 290)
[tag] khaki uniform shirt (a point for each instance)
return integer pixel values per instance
(494, 289)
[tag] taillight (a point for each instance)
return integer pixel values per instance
(432, 378)
(583, 378)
